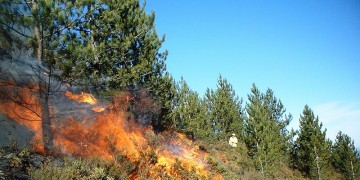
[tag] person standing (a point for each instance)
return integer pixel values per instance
(233, 140)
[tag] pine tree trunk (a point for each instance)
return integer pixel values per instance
(45, 117)
(352, 170)
(44, 92)
(317, 163)
(38, 38)
(261, 163)
(44, 85)
(94, 46)
(262, 167)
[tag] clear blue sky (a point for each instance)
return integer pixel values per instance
(308, 52)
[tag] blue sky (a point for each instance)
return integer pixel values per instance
(308, 52)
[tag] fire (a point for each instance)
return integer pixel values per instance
(23, 107)
(182, 149)
(83, 97)
(107, 131)
(98, 109)
(104, 137)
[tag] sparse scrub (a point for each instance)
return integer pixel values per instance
(82, 169)
(182, 173)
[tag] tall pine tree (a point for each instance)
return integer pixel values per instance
(226, 113)
(117, 48)
(114, 46)
(311, 151)
(345, 157)
(38, 26)
(163, 92)
(105, 44)
(190, 114)
(266, 135)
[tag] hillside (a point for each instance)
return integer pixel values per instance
(85, 94)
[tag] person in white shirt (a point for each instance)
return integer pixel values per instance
(233, 140)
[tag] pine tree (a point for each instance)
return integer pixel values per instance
(108, 45)
(163, 92)
(226, 113)
(345, 157)
(115, 47)
(311, 150)
(190, 114)
(37, 25)
(266, 135)
(118, 47)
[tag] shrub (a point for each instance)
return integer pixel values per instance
(179, 172)
(83, 169)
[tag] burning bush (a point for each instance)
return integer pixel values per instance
(119, 134)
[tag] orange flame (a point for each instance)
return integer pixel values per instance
(23, 107)
(98, 109)
(83, 97)
(103, 137)
(108, 131)
(181, 148)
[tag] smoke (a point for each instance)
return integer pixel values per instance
(20, 78)
(13, 133)
(84, 126)
(21, 68)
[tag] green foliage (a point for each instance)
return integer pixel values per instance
(189, 113)
(15, 162)
(234, 163)
(345, 157)
(266, 135)
(154, 140)
(117, 47)
(216, 165)
(226, 113)
(183, 173)
(101, 44)
(163, 92)
(83, 169)
(113, 45)
(311, 151)
(24, 153)
(37, 25)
